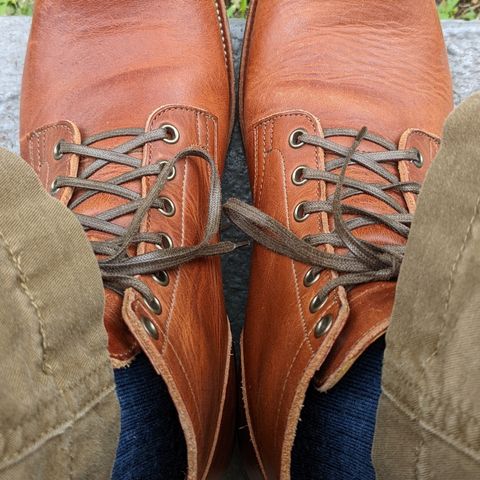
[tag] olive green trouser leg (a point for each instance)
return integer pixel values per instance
(59, 416)
(429, 415)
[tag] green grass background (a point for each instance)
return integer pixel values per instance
(463, 9)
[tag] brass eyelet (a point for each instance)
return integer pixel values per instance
(57, 153)
(317, 303)
(297, 176)
(154, 305)
(166, 242)
(294, 138)
(168, 208)
(53, 188)
(299, 213)
(173, 135)
(150, 328)
(161, 278)
(310, 278)
(323, 326)
(419, 161)
(173, 171)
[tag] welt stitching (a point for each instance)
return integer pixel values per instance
(46, 367)
(255, 166)
(222, 33)
(250, 24)
(197, 122)
(264, 158)
(272, 129)
(207, 128)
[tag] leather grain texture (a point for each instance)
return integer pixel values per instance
(143, 66)
(316, 65)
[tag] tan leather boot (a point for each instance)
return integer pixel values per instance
(159, 81)
(334, 202)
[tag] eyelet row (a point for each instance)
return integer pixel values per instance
(298, 174)
(168, 209)
(163, 279)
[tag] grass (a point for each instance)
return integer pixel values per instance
(466, 10)
(16, 7)
(463, 9)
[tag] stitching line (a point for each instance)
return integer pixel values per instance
(222, 33)
(432, 429)
(46, 367)
(57, 430)
(294, 267)
(46, 401)
(148, 344)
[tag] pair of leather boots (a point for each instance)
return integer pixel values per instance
(126, 115)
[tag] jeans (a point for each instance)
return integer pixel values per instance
(151, 444)
(334, 438)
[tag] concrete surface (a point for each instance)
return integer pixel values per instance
(463, 41)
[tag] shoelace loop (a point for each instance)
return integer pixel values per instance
(119, 269)
(364, 261)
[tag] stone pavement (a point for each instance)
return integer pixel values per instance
(463, 41)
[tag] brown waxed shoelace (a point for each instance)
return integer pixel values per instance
(365, 262)
(119, 270)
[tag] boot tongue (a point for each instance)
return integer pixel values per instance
(100, 202)
(371, 303)
(377, 233)
(121, 343)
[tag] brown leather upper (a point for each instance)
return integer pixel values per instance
(92, 68)
(318, 65)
